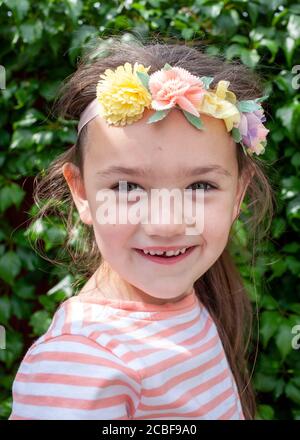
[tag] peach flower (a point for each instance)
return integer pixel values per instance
(176, 86)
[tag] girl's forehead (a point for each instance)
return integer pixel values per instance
(173, 139)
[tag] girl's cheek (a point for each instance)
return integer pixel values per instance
(217, 217)
(114, 235)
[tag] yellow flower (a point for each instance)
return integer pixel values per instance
(220, 104)
(121, 94)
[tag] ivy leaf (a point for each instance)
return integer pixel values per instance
(10, 266)
(250, 57)
(157, 116)
(284, 339)
(12, 194)
(144, 78)
(24, 291)
(194, 120)
(293, 391)
(265, 412)
(265, 382)
(19, 8)
(270, 321)
(40, 322)
(5, 309)
(31, 31)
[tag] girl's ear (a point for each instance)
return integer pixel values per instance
(243, 184)
(75, 182)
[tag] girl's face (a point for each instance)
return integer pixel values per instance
(166, 152)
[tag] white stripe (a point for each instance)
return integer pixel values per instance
(60, 346)
(157, 356)
(185, 386)
(221, 409)
(153, 329)
(196, 404)
(73, 391)
(175, 340)
(57, 329)
(55, 413)
(162, 376)
(77, 317)
(75, 369)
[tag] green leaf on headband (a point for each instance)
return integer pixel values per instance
(194, 120)
(157, 116)
(248, 106)
(167, 67)
(144, 78)
(236, 134)
(207, 80)
(262, 98)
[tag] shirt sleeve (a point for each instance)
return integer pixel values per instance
(73, 377)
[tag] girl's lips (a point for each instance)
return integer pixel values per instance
(166, 260)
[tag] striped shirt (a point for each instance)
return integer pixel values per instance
(114, 359)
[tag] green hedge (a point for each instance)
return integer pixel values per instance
(41, 42)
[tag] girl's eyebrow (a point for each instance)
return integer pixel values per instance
(182, 172)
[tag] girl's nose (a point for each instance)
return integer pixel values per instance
(167, 222)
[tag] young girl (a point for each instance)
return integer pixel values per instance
(160, 329)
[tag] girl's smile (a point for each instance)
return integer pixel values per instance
(164, 258)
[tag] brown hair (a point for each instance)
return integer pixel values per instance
(221, 288)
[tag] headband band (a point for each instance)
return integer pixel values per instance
(90, 112)
(123, 94)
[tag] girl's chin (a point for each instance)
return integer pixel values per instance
(160, 290)
(155, 298)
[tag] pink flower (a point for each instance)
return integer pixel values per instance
(176, 86)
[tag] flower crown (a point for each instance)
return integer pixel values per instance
(124, 93)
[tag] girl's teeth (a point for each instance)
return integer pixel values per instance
(170, 253)
(167, 253)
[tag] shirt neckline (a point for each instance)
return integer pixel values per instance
(186, 302)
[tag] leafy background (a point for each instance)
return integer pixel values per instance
(40, 44)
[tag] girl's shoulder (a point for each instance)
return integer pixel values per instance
(66, 374)
(73, 316)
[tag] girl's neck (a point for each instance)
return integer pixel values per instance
(105, 284)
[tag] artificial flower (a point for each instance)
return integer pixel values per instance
(124, 93)
(176, 86)
(220, 104)
(122, 96)
(253, 131)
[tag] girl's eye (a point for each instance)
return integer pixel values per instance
(131, 185)
(117, 186)
(204, 183)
